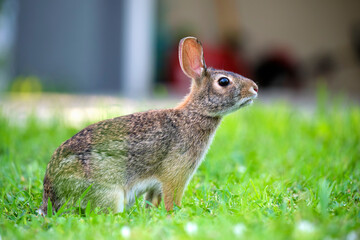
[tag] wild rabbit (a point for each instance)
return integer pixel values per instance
(154, 152)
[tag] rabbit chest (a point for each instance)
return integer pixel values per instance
(190, 143)
(167, 143)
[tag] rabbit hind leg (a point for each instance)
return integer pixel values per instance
(119, 200)
(105, 198)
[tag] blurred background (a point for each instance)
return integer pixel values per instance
(129, 48)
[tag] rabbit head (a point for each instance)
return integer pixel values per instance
(213, 92)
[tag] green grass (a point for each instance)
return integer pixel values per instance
(272, 172)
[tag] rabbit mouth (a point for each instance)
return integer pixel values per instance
(243, 102)
(247, 102)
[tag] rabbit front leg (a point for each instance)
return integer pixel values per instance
(153, 198)
(168, 192)
(173, 191)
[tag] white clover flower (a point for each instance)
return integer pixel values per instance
(191, 228)
(305, 226)
(241, 169)
(125, 231)
(352, 236)
(239, 229)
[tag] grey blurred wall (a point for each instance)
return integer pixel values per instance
(71, 45)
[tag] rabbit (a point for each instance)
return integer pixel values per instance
(155, 152)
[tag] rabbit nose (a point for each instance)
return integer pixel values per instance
(254, 89)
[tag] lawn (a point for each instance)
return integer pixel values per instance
(272, 172)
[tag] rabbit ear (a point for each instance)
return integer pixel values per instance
(191, 57)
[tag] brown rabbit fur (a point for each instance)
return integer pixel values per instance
(154, 152)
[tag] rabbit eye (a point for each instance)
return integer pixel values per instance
(223, 81)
